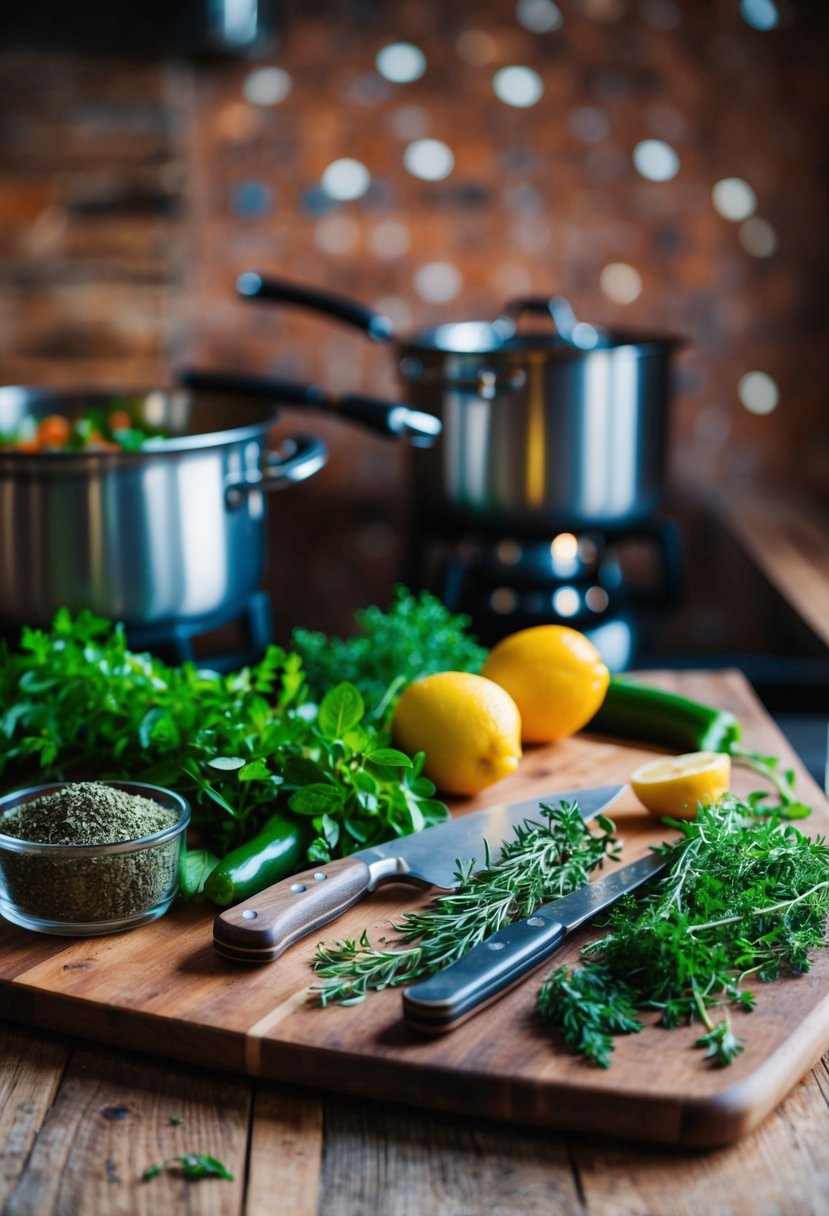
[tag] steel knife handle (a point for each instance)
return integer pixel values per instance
(265, 925)
(447, 998)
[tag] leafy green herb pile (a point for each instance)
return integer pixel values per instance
(744, 897)
(80, 704)
(545, 860)
(416, 637)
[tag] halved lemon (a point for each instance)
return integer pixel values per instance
(674, 785)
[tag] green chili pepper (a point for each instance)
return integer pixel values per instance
(276, 851)
(637, 711)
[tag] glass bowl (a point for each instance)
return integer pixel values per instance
(90, 889)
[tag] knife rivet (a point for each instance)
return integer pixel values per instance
(495, 945)
(249, 914)
(536, 922)
(297, 887)
(318, 877)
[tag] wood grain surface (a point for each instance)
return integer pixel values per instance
(162, 989)
(787, 535)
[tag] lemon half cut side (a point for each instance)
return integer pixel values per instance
(674, 785)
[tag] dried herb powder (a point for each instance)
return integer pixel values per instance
(78, 890)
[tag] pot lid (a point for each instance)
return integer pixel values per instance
(565, 335)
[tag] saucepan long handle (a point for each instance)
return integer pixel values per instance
(265, 925)
(390, 418)
(255, 286)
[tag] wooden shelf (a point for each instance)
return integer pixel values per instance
(787, 535)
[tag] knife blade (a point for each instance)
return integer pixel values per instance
(262, 927)
(452, 995)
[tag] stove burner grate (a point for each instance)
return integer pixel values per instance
(593, 581)
(223, 641)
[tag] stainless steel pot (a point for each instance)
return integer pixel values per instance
(172, 532)
(562, 428)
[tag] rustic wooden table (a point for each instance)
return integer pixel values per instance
(79, 1124)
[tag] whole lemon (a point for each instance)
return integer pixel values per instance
(556, 677)
(468, 727)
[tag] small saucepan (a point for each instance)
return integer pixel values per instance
(563, 427)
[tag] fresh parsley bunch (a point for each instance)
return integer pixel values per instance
(415, 637)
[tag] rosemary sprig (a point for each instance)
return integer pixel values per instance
(744, 896)
(545, 859)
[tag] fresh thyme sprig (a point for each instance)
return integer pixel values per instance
(744, 896)
(546, 858)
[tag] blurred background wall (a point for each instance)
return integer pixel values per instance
(662, 163)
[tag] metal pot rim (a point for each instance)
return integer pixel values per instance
(153, 448)
(484, 338)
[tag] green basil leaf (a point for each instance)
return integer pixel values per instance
(226, 764)
(340, 711)
(256, 770)
(318, 850)
(316, 800)
(331, 831)
(197, 866)
(357, 739)
(433, 811)
(299, 770)
(390, 757)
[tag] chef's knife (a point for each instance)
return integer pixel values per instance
(266, 924)
(452, 995)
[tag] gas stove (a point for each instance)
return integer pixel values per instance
(608, 584)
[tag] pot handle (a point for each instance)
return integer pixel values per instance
(253, 286)
(304, 456)
(578, 334)
(386, 417)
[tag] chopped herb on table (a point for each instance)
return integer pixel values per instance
(745, 898)
(192, 1166)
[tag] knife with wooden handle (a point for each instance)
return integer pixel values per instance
(262, 927)
(451, 996)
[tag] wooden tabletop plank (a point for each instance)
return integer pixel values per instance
(286, 1146)
(783, 1167)
(31, 1069)
(380, 1160)
(397, 1162)
(115, 1115)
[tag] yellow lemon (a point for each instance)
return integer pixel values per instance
(556, 677)
(468, 727)
(673, 785)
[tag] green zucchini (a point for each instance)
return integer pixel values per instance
(276, 851)
(649, 715)
(637, 711)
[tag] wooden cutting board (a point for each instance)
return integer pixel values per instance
(163, 989)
